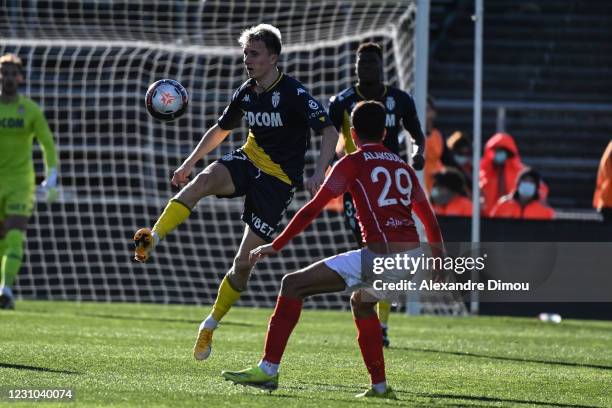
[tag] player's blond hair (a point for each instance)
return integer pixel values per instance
(267, 33)
(11, 59)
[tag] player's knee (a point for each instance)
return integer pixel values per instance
(360, 308)
(290, 285)
(242, 266)
(355, 301)
(14, 243)
(201, 184)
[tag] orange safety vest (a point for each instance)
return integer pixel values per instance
(603, 190)
(434, 147)
(459, 206)
(508, 207)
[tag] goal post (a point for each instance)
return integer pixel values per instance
(89, 63)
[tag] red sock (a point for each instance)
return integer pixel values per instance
(285, 317)
(369, 336)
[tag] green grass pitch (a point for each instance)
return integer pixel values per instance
(130, 355)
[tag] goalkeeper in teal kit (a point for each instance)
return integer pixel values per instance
(21, 120)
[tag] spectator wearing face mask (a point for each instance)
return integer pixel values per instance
(602, 199)
(459, 147)
(524, 201)
(499, 169)
(449, 195)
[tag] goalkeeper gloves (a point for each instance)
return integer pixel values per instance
(49, 186)
(418, 159)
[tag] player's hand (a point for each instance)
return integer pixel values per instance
(418, 161)
(261, 252)
(49, 186)
(314, 182)
(181, 175)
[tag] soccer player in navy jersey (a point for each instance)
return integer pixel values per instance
(399, 107)
(266, 170)
(386, 192)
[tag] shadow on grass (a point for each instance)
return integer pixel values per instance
(162, 319)
(34, 368)
(479, 400)
(496, 400)
(521, 360)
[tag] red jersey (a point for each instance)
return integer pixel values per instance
(385, 190)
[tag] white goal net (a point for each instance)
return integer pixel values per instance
(89, 63)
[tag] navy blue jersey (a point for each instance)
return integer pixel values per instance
(399, 106)
(279, 119)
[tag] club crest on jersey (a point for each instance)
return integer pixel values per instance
(275, 99)
(390, 102)
(21, 110)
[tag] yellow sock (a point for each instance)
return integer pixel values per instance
(174, 214)
(226, 298)
(384, 308)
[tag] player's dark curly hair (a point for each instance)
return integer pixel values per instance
(267, 33)
(368, 119)
(371, 47)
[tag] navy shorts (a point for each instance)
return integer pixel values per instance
(266, 197)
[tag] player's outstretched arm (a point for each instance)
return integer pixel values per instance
(413, 126)
(337, 182)
(326, 155)
(45, 139)
(211, 139)
(298, 223)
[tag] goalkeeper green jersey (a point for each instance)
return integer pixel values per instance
(20, 122)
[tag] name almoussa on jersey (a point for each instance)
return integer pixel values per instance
(279, 119)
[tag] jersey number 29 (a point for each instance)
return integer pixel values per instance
(403, 183)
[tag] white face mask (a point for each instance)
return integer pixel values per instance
(461, 159)
(500, 156)
(440, 196)
(526, 189)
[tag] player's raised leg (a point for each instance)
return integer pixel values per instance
(213, 180)
(369, 337)
(234, 282)
(315, 279)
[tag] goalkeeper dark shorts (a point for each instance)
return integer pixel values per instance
(266, 197)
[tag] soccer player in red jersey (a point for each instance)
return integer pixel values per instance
(386, 191)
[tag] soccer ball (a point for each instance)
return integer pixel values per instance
(166, 100)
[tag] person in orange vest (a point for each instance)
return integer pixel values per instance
(524, 201)
(499, 168)
(602, 199)
(434, 146)
(449, 194)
